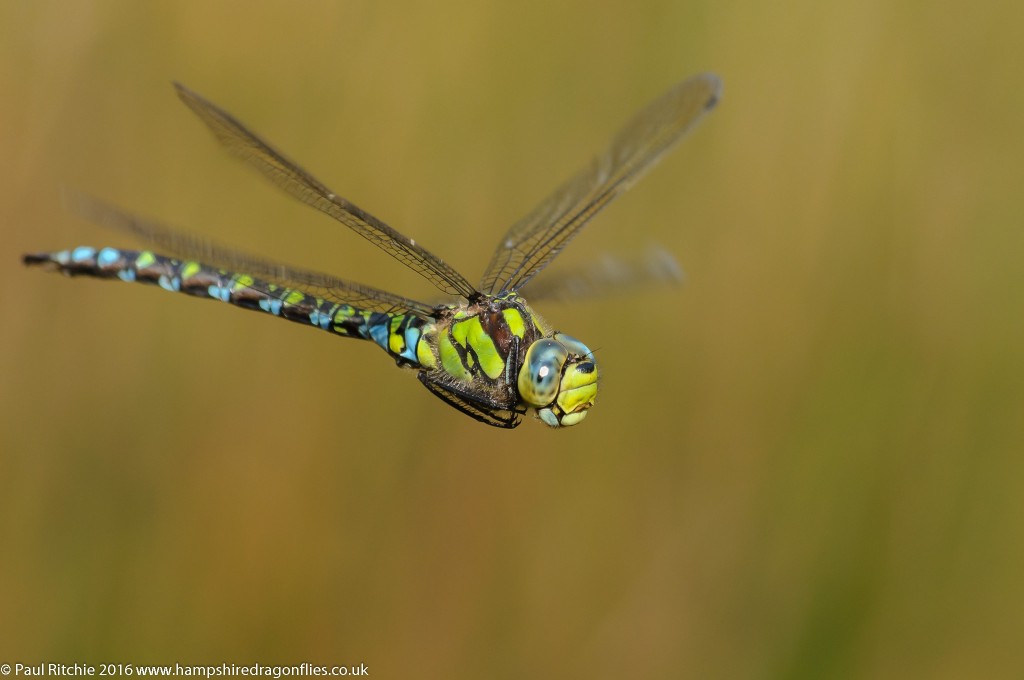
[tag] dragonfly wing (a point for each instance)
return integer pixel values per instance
(608, 275)
(174, 243)
(247, 146)
(536, 239)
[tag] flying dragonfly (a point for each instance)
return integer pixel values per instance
(489, 355)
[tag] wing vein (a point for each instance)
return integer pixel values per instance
(535, 240)
(172, 242)
(258, 154)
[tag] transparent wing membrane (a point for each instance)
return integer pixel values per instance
(247, 146)
(174, 243)
(607, 276)
(536, 239)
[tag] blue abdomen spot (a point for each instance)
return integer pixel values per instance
(171, 283)
(380, 333)
(218, 292)
(271, 306)
(321, 319)
(412, 339)
(82, 253)
(126, 275)
(108, 257)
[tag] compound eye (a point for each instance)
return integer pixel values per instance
(541, 372)
(573, 345)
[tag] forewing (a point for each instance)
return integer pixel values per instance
(245, 145)
(536, 239)
(174, 243)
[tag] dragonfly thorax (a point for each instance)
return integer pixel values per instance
(495, 358)
(558, 378)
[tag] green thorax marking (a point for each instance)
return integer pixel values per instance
(475, 340)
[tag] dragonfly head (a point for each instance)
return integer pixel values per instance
(559, 379)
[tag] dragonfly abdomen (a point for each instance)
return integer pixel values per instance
(403, 336)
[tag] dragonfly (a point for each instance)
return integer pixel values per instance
(489, 354)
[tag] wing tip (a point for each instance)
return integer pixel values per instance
(714, 83)
(193, 99)
(180, 89)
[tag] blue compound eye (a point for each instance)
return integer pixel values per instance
(541, 372)
(573, 345)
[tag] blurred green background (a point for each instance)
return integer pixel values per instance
(806, 462)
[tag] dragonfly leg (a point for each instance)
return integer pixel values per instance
(488, 410)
